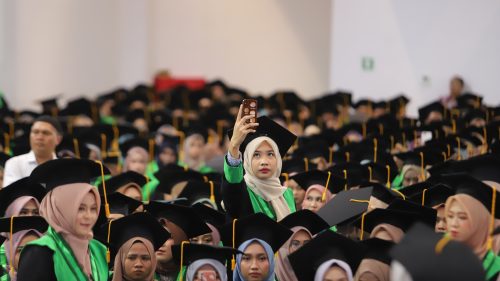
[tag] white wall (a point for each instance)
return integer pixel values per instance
(85, 47)
(413, 39)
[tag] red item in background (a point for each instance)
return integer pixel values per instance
(164, 83)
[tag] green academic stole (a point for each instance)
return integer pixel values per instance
(259, 205)
(66, 266)
(491, 265)
(3, 264)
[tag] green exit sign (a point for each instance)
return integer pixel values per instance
(367, 63)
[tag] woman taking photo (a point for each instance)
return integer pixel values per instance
(257, 149)
(71, 207)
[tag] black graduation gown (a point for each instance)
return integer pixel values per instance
(36, 263)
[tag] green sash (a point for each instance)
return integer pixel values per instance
(259, 205)
(3, 264)
(491, 265)
(66, 266)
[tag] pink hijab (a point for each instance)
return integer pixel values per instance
(479, 217)
(16, 206)
(283, 269)
(121, 256)
(60, 207)
(215, 235)
(16, 240)
(395, 233)
(319, 188)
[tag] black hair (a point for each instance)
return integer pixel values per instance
(52, 121)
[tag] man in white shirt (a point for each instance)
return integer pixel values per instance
(45, 135)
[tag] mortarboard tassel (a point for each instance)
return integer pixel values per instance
(212, 194)
(323, 196)
(106, 205)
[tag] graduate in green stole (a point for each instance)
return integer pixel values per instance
(262, 145)
(71, 207)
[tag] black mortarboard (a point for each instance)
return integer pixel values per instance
(80, 106)
(466, 184)
(469, 100)
(59, 172)
(434, 196)
(426, 258)
(72, 147)
(346, 206)
(123, 179)
(134, 142)
(189, 253)
(22, 187)
(353, 173)
(378, 249)
(122, 204)
(168, 177)
(363, 102)
(210, 215)
(142, 225)
(49, 105)
(382, 192)
(297, 165)
(182, 216)
(415, 189)
(397, 103)
(3, 158)
(22, 223)
(196, 190)
(324, 247)
(424, 111)
(305, 218)
(380, 105)
(333, 183)
(255, 226)
(136, 114)
(267, 127)
(425, 214)
(484, 167)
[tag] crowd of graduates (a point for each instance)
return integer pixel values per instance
(181, 184)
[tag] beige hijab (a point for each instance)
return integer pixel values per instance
(395, 233)
(270, 189)
(479, 217)
(120, 257)
(376, 268)
(283, 269)
(60, 207)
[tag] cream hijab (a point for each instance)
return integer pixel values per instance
(496, 238)
(60, 208)
(479, 218)
(17, 205)
(395, 233)
(270, 189)
(373, 267)
(121, 256)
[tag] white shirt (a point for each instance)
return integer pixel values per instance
(19, 167)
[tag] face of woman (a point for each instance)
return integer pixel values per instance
(299, 239)
(411, 177)
(254, 263)
(133, 192)
(264, 162)
(440, 220)
(167, 156)
(205, 239)
(368, 276)
(206, 272)
(195, 149)
(27, 238)
(29, 209)
(335, 273)
(138, 264)
(137, 163)
(86, 216)
(458, 222)
(313, 200)
(298, 192)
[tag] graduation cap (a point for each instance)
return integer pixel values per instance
(183, 216)
(3, 158)
(433, 196)
(136, 114)
(483, 167)
(267, 127)
(363, 102)
(307, 219)
(49, 105)
(123, 179)
(333, 183)
(122, 204)
(57, 172)
(424, 111)
(397, 103)
(142, 225)
(382, 192)
(426, 215)
(255, 226)
(210, 215)
(324, 247)
(422, 251)
(196, 190)
(12, 225)
(297, 165)
(72, 147)
(187, 253)
(346, 206)
(353, 173)
(466, 184)
(378, 249)
(22, 187)
(147, 144)
(169, 176)
(469, 100)
(80, 106)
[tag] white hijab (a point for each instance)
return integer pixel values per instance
(270, 189)
(324, 267)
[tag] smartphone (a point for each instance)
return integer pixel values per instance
(250, 108)
(207, 275)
